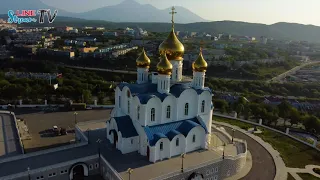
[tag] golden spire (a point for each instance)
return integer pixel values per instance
(172, 46)
(143, 60)
(200, 65)
(164, 66)
(172, 15)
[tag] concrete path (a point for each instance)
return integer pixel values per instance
(281, 170)
(308, 169)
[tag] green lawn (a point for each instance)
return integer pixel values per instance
(307, 176)
(290, 177)
(293, 153)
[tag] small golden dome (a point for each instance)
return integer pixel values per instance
(143, 61)
(200, 65)
(164, 66)
(173, 47)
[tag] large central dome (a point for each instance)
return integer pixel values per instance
(173, 47)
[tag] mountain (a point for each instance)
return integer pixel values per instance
(126, 11)
(132, 11)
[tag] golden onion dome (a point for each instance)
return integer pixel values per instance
(143, 60)
(200, 65)
(173, 47)
(164, 66)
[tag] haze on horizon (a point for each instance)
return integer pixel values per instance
(255, 11)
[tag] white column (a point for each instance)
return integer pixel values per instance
(95, 102)
(287, 130)
(163, 83)
(142, 75)
(20, 102)
(176, 71)
(45, 102)
(198, 79)
(260, 121)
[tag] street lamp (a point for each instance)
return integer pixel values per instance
(75, 123)
(183, 155)
(129, 171)
(29, 177)
(99, 143)
(88, 130)
(224, 146)
(233, 130)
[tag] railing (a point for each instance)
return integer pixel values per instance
(175, 173)
(111, 168)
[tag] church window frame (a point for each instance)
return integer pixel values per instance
(194, 138)
(152, 114)
(176, 73)
(177, 142)
(138, 112)
(168, 114)
(161, 146)
(186, 109)
(203, 103)
(120, 101)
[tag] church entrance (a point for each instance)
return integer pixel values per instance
(78, 172)
(115, 138)
(148, 152)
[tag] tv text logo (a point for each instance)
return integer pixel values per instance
(29, 16)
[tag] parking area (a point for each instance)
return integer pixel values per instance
(40, 125)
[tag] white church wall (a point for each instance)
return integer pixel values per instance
(165, 152)
(188, 96)
(199, 139)
(143, 144)
(129, 144)
(135, 103)
(177, 150)
(168, 101)
(152, 154)
(119, 143)
(143, 115)
(124, 99)
(154, 102)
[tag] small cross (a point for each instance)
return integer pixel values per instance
(172, 14)
(201, 45)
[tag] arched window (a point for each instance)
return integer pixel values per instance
(168, 112)
(177, 142)
(186, 109)
(138, 112)
(128, 107)
(194, 138)
(202, 106)
(161, 146)
(119, 101)
(177, 73)
(153, 114)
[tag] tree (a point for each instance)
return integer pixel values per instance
(239, 109)
(312, 124)
(86, 96)
(284, 111)
(294, 116)
(101, 96)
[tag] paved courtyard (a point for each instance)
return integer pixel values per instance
(38, 124)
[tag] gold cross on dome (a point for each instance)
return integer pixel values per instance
(172, 15)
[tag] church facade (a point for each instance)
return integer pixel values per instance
(162, 115)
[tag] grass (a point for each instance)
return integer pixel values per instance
(290, 177)
(307, 176)
(293, 153)
(316, 170)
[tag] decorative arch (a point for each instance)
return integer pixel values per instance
(82, 165)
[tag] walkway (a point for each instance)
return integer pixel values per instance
(307, 169)
(263, 165)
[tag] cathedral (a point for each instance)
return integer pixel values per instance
(163, 115)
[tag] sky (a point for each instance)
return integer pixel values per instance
(256, 11)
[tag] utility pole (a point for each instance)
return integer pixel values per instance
(183, 155)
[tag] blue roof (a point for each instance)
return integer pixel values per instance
(170, 130)
(125, 126)
(147, 91)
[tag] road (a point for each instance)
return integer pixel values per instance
(100, 69)
(263, 167)
(9, 139)
(291, 71)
